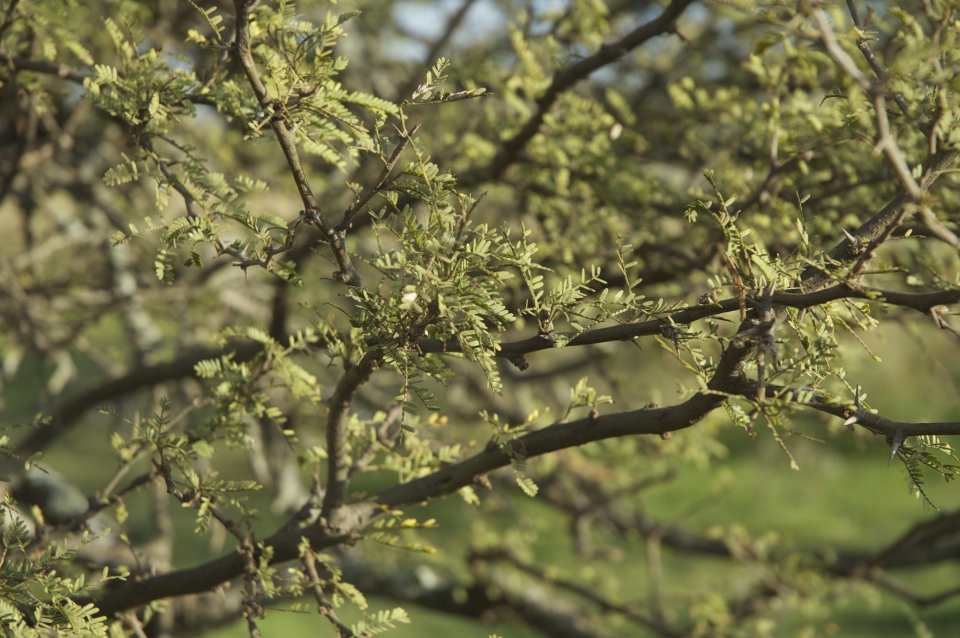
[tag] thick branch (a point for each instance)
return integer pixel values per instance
(728, 378)
(622, 332)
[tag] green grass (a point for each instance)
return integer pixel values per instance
(423, 623)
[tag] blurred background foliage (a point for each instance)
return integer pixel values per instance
(612, 179)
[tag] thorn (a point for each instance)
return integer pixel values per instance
(858, 401)
(853, 240)
(895, 445)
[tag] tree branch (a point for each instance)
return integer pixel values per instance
(569, 76)
(338, 463)
(324, 608)
(69, 413)
(921, 545)
(67, 72)
(859, 415)
(939, 230)
(373, 189)
(452, 23)
(887, 427)
(728, 379)
(285, 136)
(537, 607)
(47, 68)
(864, 45)
(847, 251)
(885, 139)
(922, 302)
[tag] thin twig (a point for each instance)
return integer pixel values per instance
(8, 16)
(252, 609)
(867, 50)
(566, 78)
(381, 440)
(323, 605)
(382, 181)
(902, 591)
(885, 140)
(941, 322)
(452, 23)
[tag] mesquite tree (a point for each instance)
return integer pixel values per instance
(279, 274)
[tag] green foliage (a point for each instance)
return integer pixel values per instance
(36, 598)
(603, 191)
